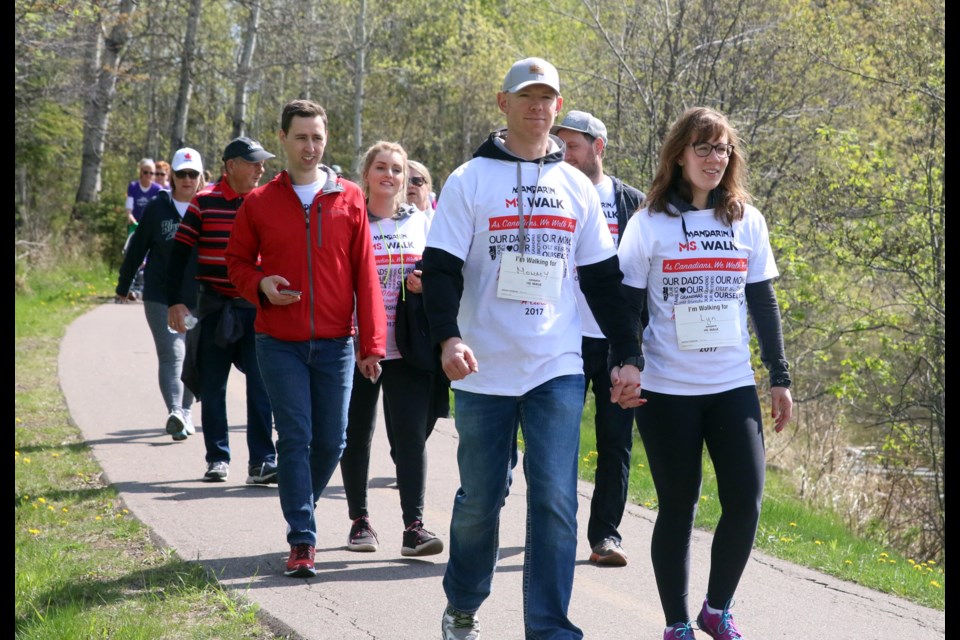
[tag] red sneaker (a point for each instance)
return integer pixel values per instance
(300, 562)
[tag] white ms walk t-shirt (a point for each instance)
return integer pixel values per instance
(608, 205)
(709, 264)
(397, 245)
(519, 344)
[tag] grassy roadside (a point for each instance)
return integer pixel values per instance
(787, 530)
(85, 567)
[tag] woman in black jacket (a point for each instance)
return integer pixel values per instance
(151, 241)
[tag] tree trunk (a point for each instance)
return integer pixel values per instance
(100, 100)
(179, 129)
(243, 72)
(359, 74)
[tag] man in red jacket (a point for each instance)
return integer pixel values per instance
(309, 228)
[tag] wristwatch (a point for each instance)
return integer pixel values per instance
(636, 361)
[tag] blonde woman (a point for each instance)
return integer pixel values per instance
(399, 234)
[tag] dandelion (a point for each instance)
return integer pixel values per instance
(64, 509)
(892, 561)
(883, 554)
(98, 518)
(918, 567)
(55, 455)
(125, 511)
(35, 532)
(16, 454)
(785, 539)
(817, 542)
(793, 524)
(42, 500)
(26, 460)
(910, 560)
(934, 583)
(640, 466)
(848, 562)
(704, 498)
(49, 507)
(647, 504)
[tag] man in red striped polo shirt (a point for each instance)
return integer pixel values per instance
(226, 336)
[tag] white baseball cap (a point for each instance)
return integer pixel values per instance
(187, 158)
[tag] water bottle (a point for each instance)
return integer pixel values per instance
(189, 321)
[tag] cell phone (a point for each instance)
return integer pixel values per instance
(289, 292)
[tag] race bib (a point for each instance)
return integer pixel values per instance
(707, 324)
(530, 277)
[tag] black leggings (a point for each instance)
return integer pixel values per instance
(674, 429)
(407, 399)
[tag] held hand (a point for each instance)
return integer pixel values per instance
(781, 407)
(625, 389)
(130, 297)
(270, 287)
(175, 317)
(414, 284)
(457, 359)
(370, 367)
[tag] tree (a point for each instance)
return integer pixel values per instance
(106, 54)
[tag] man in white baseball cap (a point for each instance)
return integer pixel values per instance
(510, 226)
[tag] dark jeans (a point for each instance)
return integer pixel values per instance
(614, 427)
(407, 400)
(674, 430)
(215, 363)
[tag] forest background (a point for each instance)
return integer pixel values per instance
(840, 104)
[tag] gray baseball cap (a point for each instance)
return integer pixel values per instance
(584, 123)
(530, 71)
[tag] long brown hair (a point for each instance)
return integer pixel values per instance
(701, 124)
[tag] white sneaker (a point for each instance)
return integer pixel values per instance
(177, 426)
(458, 625)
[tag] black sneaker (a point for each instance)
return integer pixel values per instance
(417, 541)
(263, 474)
(217, 471)
(362, 536)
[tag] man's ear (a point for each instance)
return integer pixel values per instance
(599, 146)
(502, 101)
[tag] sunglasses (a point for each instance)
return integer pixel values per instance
(146, 173)
(186, 174)
(159, 173)
(417, 181)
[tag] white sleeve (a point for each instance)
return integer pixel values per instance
(594, 242)
(634, 263)
(452, 227)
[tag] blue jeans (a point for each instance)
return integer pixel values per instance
(309, 384)
(549, 416)
(215, 363)
(614, 428)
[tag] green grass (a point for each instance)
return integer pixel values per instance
(789, 530)
(85, 568)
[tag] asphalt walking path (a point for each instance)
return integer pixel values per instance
(107, 370)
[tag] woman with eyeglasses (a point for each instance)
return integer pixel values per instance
(698, 257)
(153, 239)
(419, 186)
(161, 174)
(399, 234)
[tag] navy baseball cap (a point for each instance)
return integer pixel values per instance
(247, 149)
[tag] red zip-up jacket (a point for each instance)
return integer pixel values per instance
(326, 253)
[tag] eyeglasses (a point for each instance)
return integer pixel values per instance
(193, 175)
(146, 173)
(417, 181)
(703, 149)
(159, 173)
